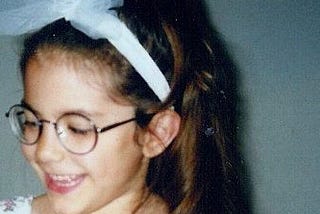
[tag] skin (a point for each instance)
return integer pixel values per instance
(114, 172)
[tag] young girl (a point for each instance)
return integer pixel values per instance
(128, 107)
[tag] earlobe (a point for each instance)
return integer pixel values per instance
(161, 131)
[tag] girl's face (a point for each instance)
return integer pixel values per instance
(110, 177)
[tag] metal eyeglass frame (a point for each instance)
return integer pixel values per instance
(41, 122)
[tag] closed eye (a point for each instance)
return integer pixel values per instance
(79, 131)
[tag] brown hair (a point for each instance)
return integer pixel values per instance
(197, 173)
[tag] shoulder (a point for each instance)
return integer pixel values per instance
(17, 205)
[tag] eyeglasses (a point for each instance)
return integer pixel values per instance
(76, 133)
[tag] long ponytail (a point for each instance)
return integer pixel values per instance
(200, 170)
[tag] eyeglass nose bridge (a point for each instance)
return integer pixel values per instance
(58, 131)
(41, 122)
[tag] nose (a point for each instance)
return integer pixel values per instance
(48, 145)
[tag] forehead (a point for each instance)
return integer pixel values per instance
(81, 60)
(62, 80)
(87, 68)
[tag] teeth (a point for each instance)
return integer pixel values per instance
(64, 178)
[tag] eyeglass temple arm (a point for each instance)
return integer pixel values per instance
(114, 125)
(141, 118)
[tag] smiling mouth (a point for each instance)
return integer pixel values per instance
(63, 184)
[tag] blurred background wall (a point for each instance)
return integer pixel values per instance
(276, 45)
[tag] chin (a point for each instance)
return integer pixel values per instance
(68, 205)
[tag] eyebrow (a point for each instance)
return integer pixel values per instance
(77, 111)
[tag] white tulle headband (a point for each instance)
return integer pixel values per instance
(95, 19)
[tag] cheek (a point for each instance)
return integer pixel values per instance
(28, 152)
(121, 156)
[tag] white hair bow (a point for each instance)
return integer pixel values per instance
(96, 19)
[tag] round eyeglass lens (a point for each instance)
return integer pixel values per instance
(24, 124)
(77, 133)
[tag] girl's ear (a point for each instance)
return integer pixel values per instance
(160, 132)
